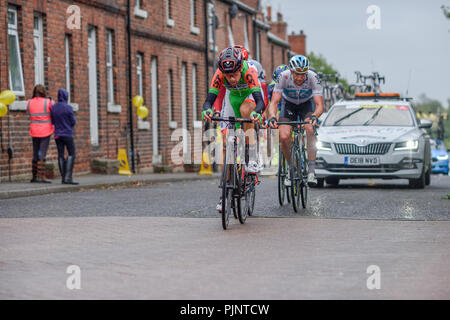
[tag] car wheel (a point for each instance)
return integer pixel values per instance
(320, 182)
(428, 177)
(332, 181)
(418, 183)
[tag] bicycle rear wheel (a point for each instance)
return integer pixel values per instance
(296, 178)
(242, 192)
(252, 194)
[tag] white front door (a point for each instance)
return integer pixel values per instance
(93, 108)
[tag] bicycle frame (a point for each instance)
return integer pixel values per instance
(233, 180)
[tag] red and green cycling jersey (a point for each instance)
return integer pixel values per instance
(248, 85)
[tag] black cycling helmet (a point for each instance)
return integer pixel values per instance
(230, 60)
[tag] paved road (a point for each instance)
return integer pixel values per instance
(352, 199)
(165, 242)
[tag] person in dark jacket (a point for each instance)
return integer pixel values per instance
(64, 120)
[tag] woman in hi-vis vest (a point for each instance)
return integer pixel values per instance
(41, 128)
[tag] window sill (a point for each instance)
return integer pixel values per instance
(18, 106)
(74, 106)
(157, 159)
(173, 125)
(195, 30)
(170, 23)
(114, 108)
(143, 125)
(138, 12)
(197, 124)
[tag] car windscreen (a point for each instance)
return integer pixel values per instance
(369, 115)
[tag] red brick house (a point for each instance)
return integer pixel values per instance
(82, 45)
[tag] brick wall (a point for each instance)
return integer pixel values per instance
(171, 43)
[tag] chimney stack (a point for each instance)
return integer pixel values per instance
(298, 42)
(279, 17)
(269, 13)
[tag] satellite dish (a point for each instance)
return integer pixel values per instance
(234, 11)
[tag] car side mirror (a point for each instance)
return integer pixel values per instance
(425, 124)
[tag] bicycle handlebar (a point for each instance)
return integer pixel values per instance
(232, 119)
(293, 123)
(298, 124)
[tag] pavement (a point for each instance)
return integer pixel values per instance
(9, 190)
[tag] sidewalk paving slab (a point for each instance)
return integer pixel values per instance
(9, 190)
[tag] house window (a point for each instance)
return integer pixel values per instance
(246, 43)
(170, 97)
(194, 92)
(210, 22)
(184, 110)
(140, 88)
(155, 110)
(67, 66)
(109, 66)
(194, 26)
(38, 37)
(138, 12)
(230, 33)
(258, 46)
(169, 16)
(272, 60)
(15, 62)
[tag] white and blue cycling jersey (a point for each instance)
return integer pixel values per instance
(298, 94)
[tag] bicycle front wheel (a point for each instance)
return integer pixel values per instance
(296, 178)
(242, 192)
(304, 181)
(281, 177)
(227, 197)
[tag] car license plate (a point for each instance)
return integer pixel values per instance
(361, 161)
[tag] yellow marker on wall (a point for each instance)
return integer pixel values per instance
(124, 168)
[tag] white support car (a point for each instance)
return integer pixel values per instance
(373, 136)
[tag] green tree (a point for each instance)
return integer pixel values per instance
(426, 105)
(320, 64)
(446, 11)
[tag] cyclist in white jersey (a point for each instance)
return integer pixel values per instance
(298, 89)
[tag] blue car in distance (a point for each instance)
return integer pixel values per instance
(439, 157)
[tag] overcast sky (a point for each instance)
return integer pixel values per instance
(413, 38)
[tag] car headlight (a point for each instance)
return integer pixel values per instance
(411, 145)
(442, 157)
(325, 146)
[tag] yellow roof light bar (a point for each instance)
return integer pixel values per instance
(389, 94)
(365, 94)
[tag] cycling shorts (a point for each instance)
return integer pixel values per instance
(291, 111)
(231, 107)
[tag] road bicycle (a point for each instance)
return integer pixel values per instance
(298, 167)
(375, 79)
(236, 182)
(331, 93)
